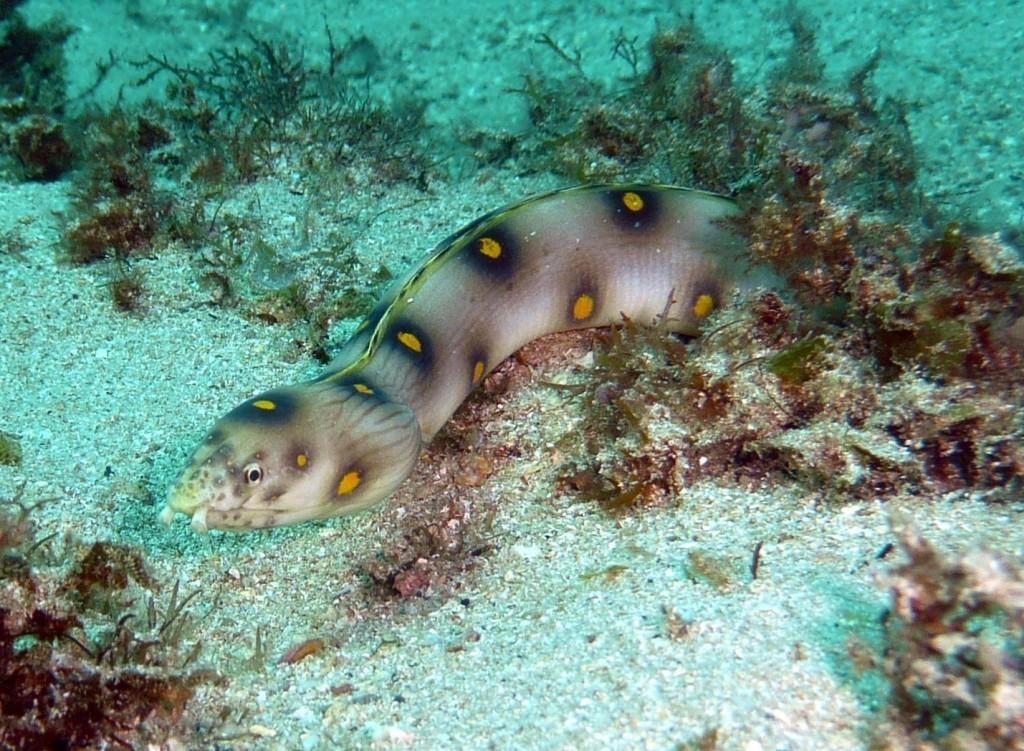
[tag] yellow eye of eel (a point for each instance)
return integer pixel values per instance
(572, 258)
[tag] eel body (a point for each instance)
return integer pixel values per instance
(568, 259)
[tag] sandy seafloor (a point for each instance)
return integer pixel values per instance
(108, 406)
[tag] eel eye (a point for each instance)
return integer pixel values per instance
(253, 473)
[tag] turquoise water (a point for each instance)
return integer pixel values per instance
(201, 201)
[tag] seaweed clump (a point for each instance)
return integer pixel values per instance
(659, 416)
(885, 356)
(955, 656)
(43, 149)
(772, 393)
(431, 541)
(33, 94)
(681, 116)
(624, 460)
(429, 550)
(119, 215)
(72, 677)
(261, 110)
(31, 62)
(677, 118)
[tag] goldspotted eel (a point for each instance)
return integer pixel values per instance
(568, 259)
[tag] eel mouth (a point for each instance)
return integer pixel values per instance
(182, 500)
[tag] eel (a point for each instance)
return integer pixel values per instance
(571, 258)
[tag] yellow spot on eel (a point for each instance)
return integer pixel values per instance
(490, 247)
(583, 307)
(348, 482)
(703, 306)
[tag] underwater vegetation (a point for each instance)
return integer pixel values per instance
(256, 111)
(253, 112)
(885, 361)
(955, 650)
(681, 117)
(31, 63)
(32, 95)
(885, 358)
(445, 529)
(85, 661)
